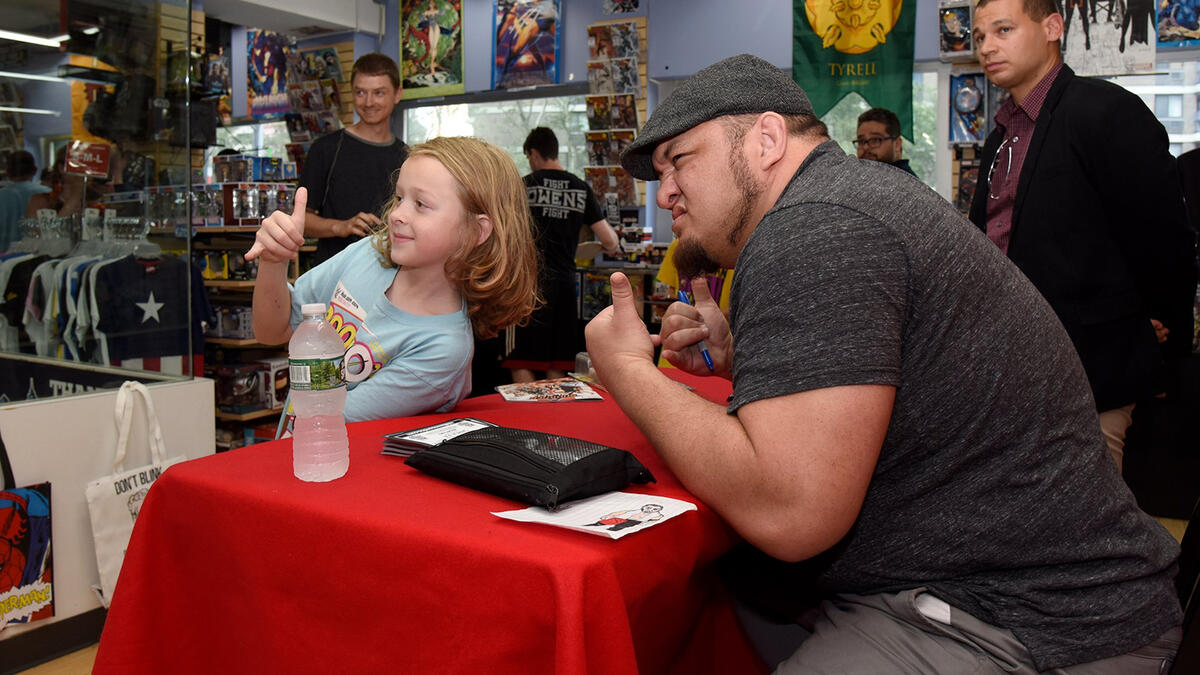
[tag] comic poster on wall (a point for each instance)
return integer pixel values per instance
(624, 111)
(618, 142)
(968, 116)
(324, 63)
(625, 76)
(600, 45)
(431, 49)
(597, 147)
(599, 112)
(619, 6)
(600, 77)
(266, 73)
(625, 43)
(525, 52)
(1178, 23)
(954, 32)
(1108, 37)
(26, 567)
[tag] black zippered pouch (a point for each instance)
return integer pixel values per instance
(530, 466)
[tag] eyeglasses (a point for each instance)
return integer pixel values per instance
(1004, 145)
(872, 142)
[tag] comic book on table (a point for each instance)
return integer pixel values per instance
(405, 443)
(553, 390)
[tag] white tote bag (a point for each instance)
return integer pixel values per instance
(114, 501)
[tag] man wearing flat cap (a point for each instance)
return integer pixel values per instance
(908, 416)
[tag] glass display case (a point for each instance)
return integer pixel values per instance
(105, 110)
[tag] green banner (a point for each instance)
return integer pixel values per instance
(864, 46)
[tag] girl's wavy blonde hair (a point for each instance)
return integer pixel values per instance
(498, 279)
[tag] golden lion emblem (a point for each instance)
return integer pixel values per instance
(852, 26)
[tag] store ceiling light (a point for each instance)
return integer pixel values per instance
(34, 39)
(30, 111)
(91, 30)
(31, 76)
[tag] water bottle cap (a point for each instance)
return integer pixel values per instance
(310, 308)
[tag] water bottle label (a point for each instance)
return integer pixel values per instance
(317, 374)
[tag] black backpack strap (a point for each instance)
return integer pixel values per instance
(329, 176)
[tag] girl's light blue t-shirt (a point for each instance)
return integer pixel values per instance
(397, 364)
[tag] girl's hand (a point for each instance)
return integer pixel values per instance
(280, 236)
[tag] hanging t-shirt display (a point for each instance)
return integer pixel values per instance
(141, 313)
(15, 284)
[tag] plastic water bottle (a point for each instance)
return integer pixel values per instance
(320, 449)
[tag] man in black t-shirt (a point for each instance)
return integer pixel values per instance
(561, 204)
(349, 173)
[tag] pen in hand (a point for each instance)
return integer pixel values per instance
(683, 297)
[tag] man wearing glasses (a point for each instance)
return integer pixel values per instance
(1081, 193)
(879, 139)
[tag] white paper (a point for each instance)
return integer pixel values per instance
(611, 515)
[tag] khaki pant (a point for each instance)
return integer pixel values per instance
(887, 634)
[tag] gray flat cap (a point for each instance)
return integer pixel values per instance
(738, 85)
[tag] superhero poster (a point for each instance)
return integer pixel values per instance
(26, 568)
(1178, 23)
(968, 117)
(431, 49)
(267, 55)
(1108, 37)
(527, 43)
(599, 112)
(954, 33)
(619, 6)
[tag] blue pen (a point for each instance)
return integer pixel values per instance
(683, 297)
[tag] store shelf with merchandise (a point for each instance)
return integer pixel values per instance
(250, 377)
(641, 263)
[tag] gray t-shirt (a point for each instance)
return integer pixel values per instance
(994, 488)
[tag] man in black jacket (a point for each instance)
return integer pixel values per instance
(1081, 193)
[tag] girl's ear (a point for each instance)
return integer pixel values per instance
(485, 228)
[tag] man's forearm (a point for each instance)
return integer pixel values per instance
(321, 227)
(788, 473)
(706, 448)
(606, 235)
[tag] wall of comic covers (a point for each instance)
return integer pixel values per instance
(616, 103)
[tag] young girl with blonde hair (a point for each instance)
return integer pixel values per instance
(455, 257)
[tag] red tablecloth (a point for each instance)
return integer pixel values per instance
(236, 566)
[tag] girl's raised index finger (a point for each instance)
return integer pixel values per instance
(299, 205)
(298, 213)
